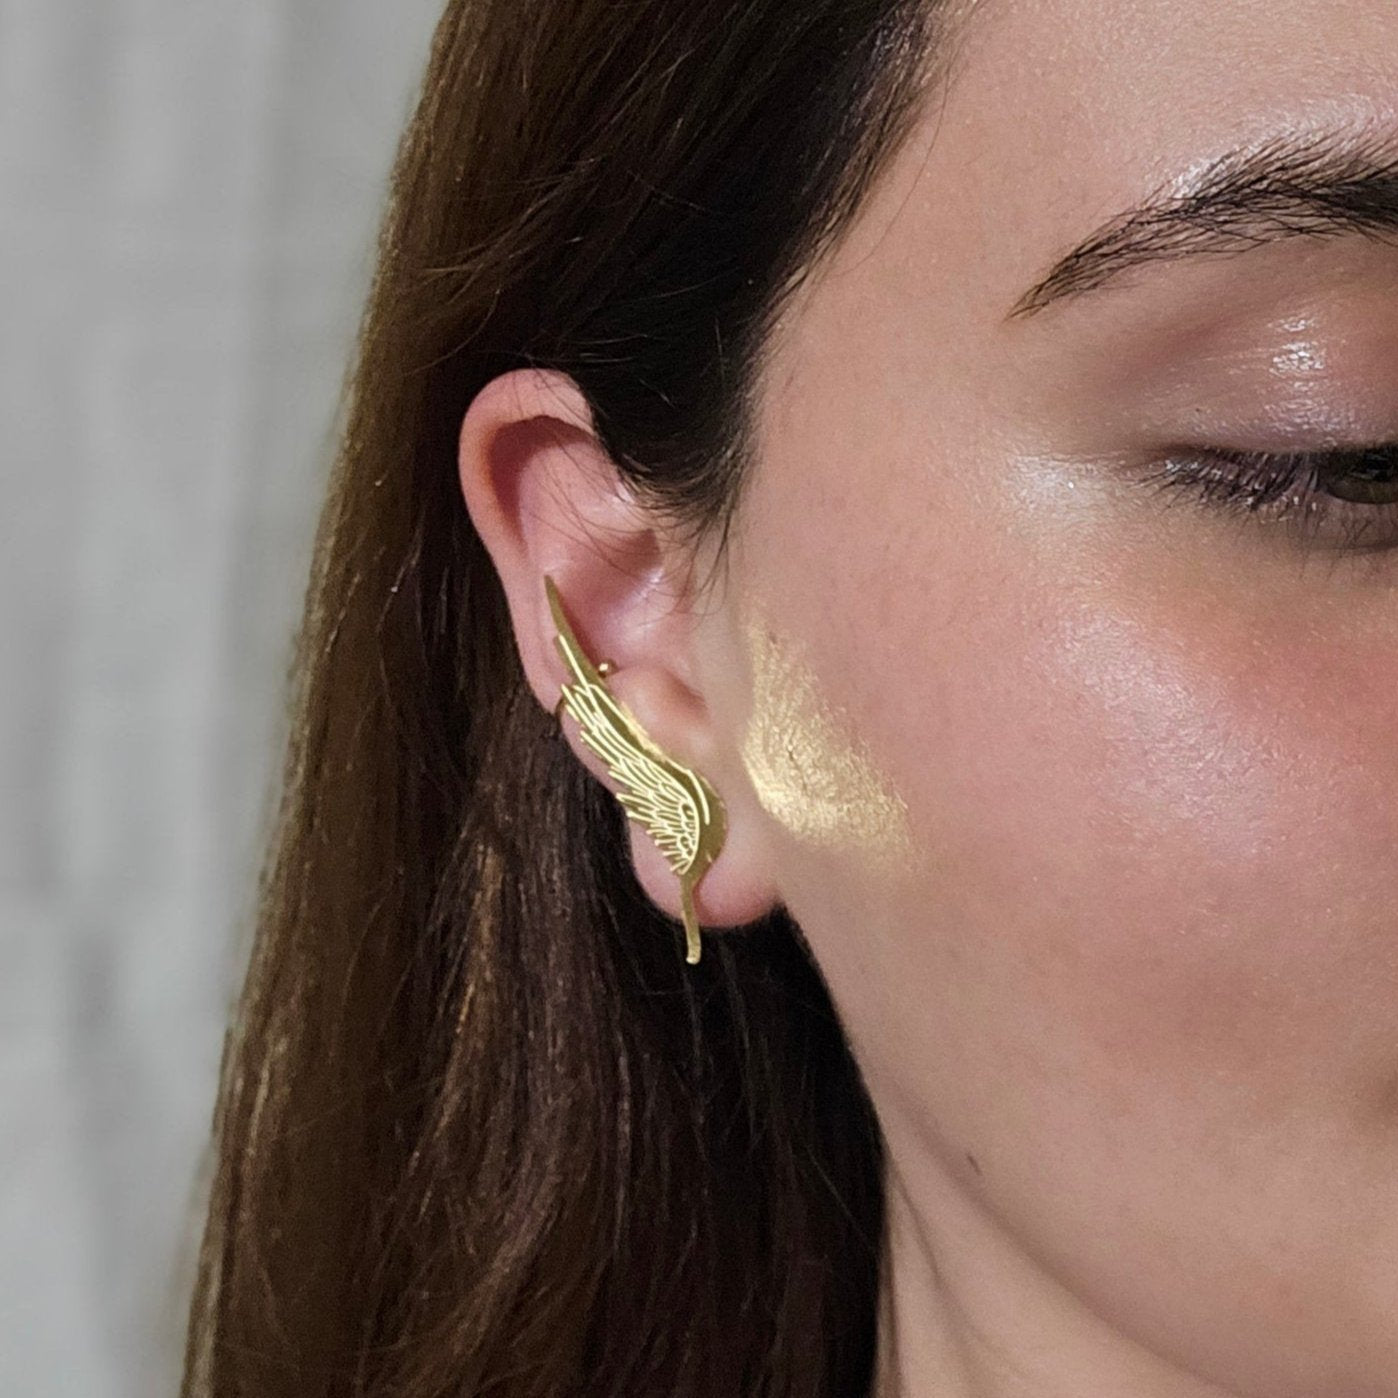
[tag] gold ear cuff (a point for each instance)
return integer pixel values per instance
(680, 811)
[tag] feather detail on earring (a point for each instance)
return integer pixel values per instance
(680, 811)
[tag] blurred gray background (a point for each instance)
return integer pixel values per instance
(189, 193)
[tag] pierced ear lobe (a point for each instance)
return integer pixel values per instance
(675, 805)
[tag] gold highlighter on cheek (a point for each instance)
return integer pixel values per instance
(807, 774)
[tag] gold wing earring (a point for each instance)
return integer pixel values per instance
(680, 811)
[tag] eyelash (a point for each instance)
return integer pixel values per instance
(1292, 487)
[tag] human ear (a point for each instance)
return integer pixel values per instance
(547, 500)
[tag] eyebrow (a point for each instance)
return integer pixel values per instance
(1325, 186)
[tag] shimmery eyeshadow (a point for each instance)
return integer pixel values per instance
(807, 773)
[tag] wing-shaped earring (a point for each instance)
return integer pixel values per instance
(680, 811)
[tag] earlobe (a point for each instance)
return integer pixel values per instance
(702, 858)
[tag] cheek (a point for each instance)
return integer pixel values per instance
(1173, 819)
(1144, 963)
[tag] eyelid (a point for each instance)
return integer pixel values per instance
(1287, 488)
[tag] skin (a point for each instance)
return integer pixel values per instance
(807, 771)
(1127, 1001)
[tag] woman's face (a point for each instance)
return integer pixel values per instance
(1084, 793)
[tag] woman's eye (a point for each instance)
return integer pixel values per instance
(1343, 499)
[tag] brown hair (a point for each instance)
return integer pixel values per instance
(481, 1131)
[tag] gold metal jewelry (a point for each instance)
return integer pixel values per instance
(680, 811)
(604, 667)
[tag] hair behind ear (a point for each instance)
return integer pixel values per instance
(480, 1130)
